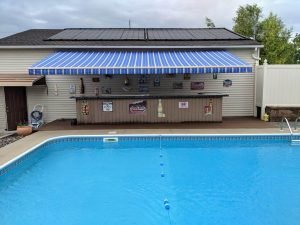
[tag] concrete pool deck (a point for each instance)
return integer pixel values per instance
(15, 149)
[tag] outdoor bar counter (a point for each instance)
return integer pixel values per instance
(147, 108)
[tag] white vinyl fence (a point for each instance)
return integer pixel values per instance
(277, 85)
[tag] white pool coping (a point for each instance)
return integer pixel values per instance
(135, 135)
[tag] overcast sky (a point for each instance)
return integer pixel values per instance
(20, 15)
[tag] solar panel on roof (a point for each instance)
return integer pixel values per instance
(179, 34)
(88, 34)
(168, 34)
(224, 34)
(66, 34)
(186, 35)
(201, 34)
(99, 34)
(153, 34)
(136, 34)
(117, 34)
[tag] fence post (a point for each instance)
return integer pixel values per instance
(264, 88)
(255, 87)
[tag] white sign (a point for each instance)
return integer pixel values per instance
(72, 89)
(183, 105)
(107, 106)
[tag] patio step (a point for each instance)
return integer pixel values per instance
(295, 142)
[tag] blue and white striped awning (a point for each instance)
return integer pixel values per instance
(139, 62)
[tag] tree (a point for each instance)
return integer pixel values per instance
(275, 38)
(209, 23)
(247, 20)
(270, 31)
(296, 48)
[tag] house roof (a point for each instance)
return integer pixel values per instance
(126, 37)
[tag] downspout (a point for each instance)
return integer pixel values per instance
(256, 56)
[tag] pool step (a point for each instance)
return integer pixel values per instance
(295, 142)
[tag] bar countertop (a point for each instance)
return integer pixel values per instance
(152, 96)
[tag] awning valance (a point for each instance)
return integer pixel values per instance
(20, 80)
(139, 62)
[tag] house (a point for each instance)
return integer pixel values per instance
(23, 84)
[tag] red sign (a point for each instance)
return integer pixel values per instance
(139, 107)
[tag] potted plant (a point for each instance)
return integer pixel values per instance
(23, 129)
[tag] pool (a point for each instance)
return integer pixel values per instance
(245, 180)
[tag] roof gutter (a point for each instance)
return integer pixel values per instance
(122, 47)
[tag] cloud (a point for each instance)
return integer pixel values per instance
(16, 16)
(37, 21)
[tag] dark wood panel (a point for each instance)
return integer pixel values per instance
(174, 114)
(16, 106)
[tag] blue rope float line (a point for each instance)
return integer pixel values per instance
(170, 221)
(162, 174)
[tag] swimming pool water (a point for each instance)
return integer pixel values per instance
(205, 182)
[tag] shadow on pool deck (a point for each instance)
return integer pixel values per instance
(228, 123)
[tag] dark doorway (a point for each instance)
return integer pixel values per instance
(258, 112)
(16, 106)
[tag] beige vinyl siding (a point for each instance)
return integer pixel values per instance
(14, 61)
(2, 110)
(17, 61)
(55, 106)
(241, 101)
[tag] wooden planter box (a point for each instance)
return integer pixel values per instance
(24, 130)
